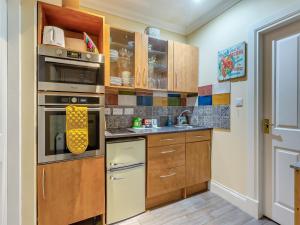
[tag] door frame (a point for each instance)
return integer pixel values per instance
(3, 104)
(255, 93)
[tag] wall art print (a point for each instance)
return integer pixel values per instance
(232, 62)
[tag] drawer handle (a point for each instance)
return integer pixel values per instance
(43, 184)
(167, 139)
(199, 136)
(117, 164)
(116, 178)
(166, 176)
(166, 152)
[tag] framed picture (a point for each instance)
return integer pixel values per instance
(232, 62)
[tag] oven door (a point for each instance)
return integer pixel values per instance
(52, 144)
(56, 74)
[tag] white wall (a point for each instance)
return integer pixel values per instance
(229, 150)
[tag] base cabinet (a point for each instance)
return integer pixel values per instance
(297, 197)
(198, 163)
(178, 165)
(69, 192)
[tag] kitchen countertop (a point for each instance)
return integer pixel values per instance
(296, 166)
(130, 132)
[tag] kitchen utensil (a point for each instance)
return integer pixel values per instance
(54, 36)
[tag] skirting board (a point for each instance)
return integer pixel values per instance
(243, 202)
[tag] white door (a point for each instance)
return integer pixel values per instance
(282, 107)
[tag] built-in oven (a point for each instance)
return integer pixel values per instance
(60, 69)
(52, 144)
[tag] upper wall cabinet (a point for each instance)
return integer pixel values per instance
(134, 60)
(120, 58)
(186, 67)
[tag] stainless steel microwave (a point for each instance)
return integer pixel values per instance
(52, 145)
(60, 69)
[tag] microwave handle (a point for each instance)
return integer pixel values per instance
(72, 62)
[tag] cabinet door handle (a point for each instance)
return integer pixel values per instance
(43, 183)
(117, 178)
(166, 152)
(144, 77)
(167, 139)
(175, 78)
(137, 76)
(209, 146)
(169, 175)
(199, 136)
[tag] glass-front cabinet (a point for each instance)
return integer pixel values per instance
(157, 64)
(122, 58)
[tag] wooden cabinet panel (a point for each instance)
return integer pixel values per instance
(198, 162)
(170, 65)
(180, 67)
(196, 136)
(106, 50)
(166, 157)
(141, 61)
(186, 63)
(192, 69)
(71, 191)
(165, 180)
(166, 139)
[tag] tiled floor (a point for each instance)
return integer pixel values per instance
(203, 209)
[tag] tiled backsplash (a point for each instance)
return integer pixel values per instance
(206, 116)
(210, 106)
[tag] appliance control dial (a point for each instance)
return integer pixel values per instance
(59, 52)
(74, 100)
(88, 56)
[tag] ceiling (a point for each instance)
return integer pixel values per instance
(180, 16)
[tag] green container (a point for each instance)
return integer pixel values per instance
(136, 122)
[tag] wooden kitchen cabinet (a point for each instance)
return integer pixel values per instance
(186, 66)
(198, 163)
(71, 191)
(297, 197)
(141, 61)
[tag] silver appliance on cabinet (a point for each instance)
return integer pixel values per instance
(60, 69)
(125, 178)
(52, 145)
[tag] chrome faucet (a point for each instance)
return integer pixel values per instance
(180, 119)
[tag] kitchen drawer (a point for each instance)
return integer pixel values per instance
(166, 139)
(195, 136)
(166, 157)
(165, 180)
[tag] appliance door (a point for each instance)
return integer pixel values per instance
(52, 144)
(125, 152)
(56, 74)
(125, 193)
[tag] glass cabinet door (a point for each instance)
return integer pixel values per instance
(122, 48)
(157, 64)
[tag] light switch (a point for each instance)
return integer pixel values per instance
(239, 102)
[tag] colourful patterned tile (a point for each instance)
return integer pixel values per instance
(205, 100)
(144, 100)
(221, 88)
(192, 101)
(160, 94)
(174, 101)
(160, 101)
(221, 99)
(205, 90)
(183, 102)
(127, 92)
(127, 100)
(174, 95)
(111, 99)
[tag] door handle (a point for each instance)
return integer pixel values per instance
(117, 178)
(117, 164)
(43, 184)
(144, 77)
(169, 175)
(166, 152)
(266, 126)
(167, 139)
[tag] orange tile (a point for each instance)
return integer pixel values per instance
(221, 99)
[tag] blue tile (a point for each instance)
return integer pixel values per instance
(205, 100)
(144, 100)
(174, 95)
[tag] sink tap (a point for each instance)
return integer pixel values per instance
(182, 119)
